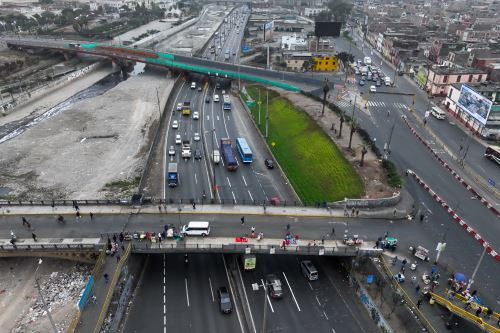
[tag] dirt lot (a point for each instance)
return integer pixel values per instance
(90, 144)
(21, 309)
(372, 173)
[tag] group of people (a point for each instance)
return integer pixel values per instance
(112, 247)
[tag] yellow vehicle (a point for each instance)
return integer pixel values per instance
(186, 109)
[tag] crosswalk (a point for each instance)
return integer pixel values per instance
(373, 104)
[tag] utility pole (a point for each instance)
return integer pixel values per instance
(54, 328)
(326, 89)
(387, 146)
(259, 102)
(214, 190)
(267, 113)
(158, 101)
(471, 280)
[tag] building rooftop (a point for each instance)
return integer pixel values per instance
(451, 71)
(480, 87)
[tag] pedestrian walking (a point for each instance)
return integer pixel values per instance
(333, 231)
(53, 205)
(468, 304)
(106, 277)
(121, 237)
(159, 237)
(74, 204)
(417, 289)
(117, 258)
(242, 220)
(386, 234)
(419, 302)
(433, 270)
(404, 262)
(94, 299)
(422, 217)
(91, 216)
(28, 225)
(78, 215)
(357, 212)
(24, 221)
(114, 238)
(159, 208)
(323, 241)
(402, 270)
(377, 243)
(252, 229)
(33, 236)
(394, 212)
(194, 205)
(77, 208)
(478, 311)
(288, 227)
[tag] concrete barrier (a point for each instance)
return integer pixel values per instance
(367, 203)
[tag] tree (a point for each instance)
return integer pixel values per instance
(363, 153)
(45, 2)
(354, 127)
(340, 9)
(306, 65)
(341, 123)
(345, 57)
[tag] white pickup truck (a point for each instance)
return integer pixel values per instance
(186, 149)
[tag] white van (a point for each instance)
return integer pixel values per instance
(216, 156)
(387, 81)
(196, 228)
(308, 269)
(438, 113)
(216, 98)
(193, 85)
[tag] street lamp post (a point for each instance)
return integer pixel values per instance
(267, 113)
(256, 287)
(54, 328)
(326, 89)
(471, 280)
(259, 102)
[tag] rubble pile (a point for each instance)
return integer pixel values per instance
(59, 290)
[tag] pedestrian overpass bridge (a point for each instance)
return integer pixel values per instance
(288, 81)
(87, 249)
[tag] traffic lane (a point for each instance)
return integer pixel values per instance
(478, 216)
(148, 300)
(282, 314)
(265, 183)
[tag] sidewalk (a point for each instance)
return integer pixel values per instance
(436, 314)
(92, 312)
(400, 211)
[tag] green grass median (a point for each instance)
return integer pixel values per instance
(312, 162)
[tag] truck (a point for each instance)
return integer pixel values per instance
(249, 261)
(367, 61)
(186, 149)
(228, 154)
(226, 55)
(172, 175)
(216, 156)
(186, 109)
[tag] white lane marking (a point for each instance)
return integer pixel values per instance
(333, 331)
(211, 289)
(164, 296)
(310, 285)
(317, 300)
(187, 291)
(228, 181)
(232, 292)
(325, 315)
(218, 118)
(293, 295)
(208, 118)
(234, 198)
(244, 180)
(250, 194)
(195, 178)
(267, 296)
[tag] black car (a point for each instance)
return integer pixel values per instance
(378, 83)
(224, 300)
(197, 154)
(217, 86)
(207, 99)
(274, 286)
(269, 163)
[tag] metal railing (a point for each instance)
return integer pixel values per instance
(51, 247)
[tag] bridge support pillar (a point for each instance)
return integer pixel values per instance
(67, 56)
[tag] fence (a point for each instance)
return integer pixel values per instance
(50, 247)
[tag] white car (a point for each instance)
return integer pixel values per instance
(216, 98)
(196, 137)
(196, 115)
(373, 89)
(179, 106)
(175, 124)
(171, 151)
(178, 139)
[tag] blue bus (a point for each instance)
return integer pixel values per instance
(226, 102)
(244, 150)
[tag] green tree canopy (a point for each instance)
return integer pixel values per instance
(340, 9)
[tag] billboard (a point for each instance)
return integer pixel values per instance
(268, 30)
(327, 29)
(474, 104)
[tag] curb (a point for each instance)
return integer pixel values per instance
(456, 218)
(453, 172)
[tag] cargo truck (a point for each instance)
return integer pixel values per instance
(172, 175)
(228, 154)
(186, 149)
(249, 261)
(186, 109)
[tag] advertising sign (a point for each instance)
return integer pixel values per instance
(327, 29)
(268, 30)
(474, 104)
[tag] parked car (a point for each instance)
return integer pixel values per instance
(197, 154)
(196, 137)
(171, 151)
(269, 163)
(224, 298)
(196, 115)
(274, 286)
(175, 124)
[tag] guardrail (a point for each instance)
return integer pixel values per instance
(51, 247)
(465, 314)
(147, 247)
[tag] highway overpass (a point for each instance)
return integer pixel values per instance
(289, 81)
